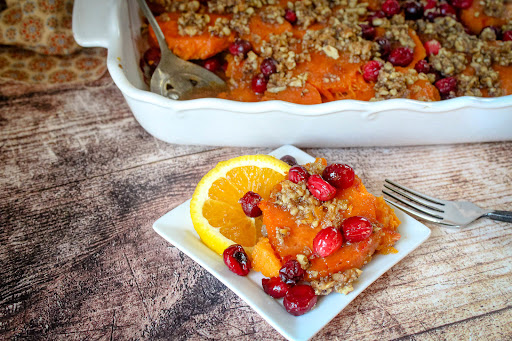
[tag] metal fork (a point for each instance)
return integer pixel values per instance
(448, 213)
(177, 78)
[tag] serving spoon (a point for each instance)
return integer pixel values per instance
(176, 78)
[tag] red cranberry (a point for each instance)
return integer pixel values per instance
(259, 83)
(367, 32)
(290, 16)
(356, 229)
(432, 47)
(461, 4)
(413, 10)
(236, 259)
(212, 64)
(401, 56)
(496, 30)
(299, 299)
(240, 47)
(371, 71)
(297, 174)
(289, 160)
(391, 7)
(384, 47)
(249, 204)
(274, 287)
(446, 86)
(268, 66)
(321, 189)
(445, 10)
(327, 241)
(291, 272)
(431, 4)
(423, 66)
(507, 36)
(339, 175)
(152, 57)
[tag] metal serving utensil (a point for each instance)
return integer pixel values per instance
(177, 78)
(444, 212)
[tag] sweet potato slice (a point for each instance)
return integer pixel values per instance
(423, 90)
(261, 31)
(476, 23)
(343, 80)
(201, 46)
(505, 73)
(300, 95)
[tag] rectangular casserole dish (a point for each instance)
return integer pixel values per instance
(115, 25)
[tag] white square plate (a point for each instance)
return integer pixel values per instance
(176, 227)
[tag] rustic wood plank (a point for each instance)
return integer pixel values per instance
(82, 183)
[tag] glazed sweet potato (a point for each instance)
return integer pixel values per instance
(476, 22)
(300, 237)
(336, 78)
(201, 46)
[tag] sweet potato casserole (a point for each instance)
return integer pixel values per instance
(315, 51)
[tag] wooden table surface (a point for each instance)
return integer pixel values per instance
(81, 184)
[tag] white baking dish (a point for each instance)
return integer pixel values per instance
(115, 25)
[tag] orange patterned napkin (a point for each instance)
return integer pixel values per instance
(38, 44)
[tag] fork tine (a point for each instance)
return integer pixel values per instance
(420, 195)
(419, 200)
(416, 213)
(422, 209)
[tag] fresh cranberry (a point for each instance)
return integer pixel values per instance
(327, 241)
(461, 4)
(401, 56)
(496, 30)
(356, 229)
(152, 57)
(367, 32)
(289, 160)
(391, 7)
(259, 83)
(299, 299)
(423, 66)
(249, 204)
(240, 47)
(291, 272)
(371, 71)
(507, 36)
(290, 16)
(297, 174)
(212, 64)
(413, 10)
(446, 86)
(432, 47)
(339, 175)
(268, 66)
(236, 259)
(445, 10)
(431, 4)
(274, 287)
(384, 47)
(321, 189)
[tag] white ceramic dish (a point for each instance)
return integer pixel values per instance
(176, 227)
(115, 25)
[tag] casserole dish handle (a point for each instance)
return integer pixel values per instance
(92, 22)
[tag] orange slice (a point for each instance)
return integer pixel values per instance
(216, 214)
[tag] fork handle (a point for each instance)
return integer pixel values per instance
(500, 215)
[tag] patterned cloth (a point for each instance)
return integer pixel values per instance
(38, 44)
